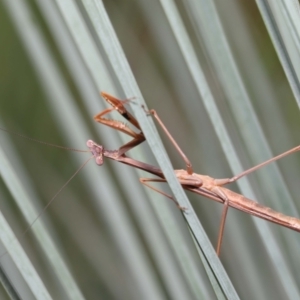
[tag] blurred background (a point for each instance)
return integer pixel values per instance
(108, 230)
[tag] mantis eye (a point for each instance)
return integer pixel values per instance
(99, 160)
(97, 151)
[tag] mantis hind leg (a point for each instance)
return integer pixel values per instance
(219, 192)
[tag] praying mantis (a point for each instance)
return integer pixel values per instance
(196, 183)
(200, 184)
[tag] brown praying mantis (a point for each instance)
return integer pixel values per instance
(201, 184)
(196, 183)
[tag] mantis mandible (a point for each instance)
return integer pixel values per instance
(201, 184)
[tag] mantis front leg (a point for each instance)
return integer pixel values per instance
(118, 105)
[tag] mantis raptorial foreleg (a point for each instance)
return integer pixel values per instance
(118, 105)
